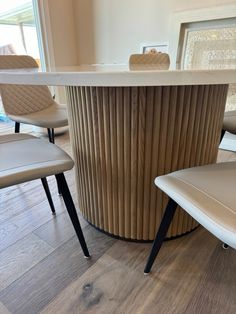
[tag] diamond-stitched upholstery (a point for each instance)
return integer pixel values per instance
(23, 99)
(159, 61)
(17, 62)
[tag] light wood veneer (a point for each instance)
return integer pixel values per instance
(123, 137)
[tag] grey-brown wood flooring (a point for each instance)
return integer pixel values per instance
(42, 269)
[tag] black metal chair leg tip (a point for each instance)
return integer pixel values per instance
(54, 213)
(146, 273)
(87, 257)
(225, 246)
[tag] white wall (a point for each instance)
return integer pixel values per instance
(58, 21)
(59, 36)
(108, 31)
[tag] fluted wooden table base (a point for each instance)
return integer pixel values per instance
(124, 137)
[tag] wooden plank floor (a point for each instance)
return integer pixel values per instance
(42, 269)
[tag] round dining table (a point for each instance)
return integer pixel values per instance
(129, 126)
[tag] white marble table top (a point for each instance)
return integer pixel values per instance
(116, 75)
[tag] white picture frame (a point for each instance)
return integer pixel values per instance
(195, 15)
(158, 47)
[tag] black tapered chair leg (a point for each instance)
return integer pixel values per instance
(222, 134)
(72, 211)
(161, 233)
(48, 193)
(58, 188)
(49, 135)
(17, 127)
(53, 141)
(51, 138)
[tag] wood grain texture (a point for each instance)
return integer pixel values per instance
(216, 277)
(192, 274)
(61, 267)
(123, 137)
(59, 230)
(27, 221)
(116, 284)
(3, 309)
(20, 257)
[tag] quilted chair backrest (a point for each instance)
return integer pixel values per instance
(157, 61)
(23, 99)
(17, 62)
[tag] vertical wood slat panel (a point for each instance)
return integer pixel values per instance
(162, 153)
(80, 148)
(139, 184)
(120, 159)
(74, 125)
(171, 100)
(148, 136)
(194, 107)
(87, 153)
(154, 213)
(114, 159)
(178, 135)
(107, 160)
(101, 157)
(127, 160)
(122, 138)
(96, 158)
(134, 159)
(89, 103)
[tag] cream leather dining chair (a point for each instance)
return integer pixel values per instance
(207, 193)
(24, 158)
(30, 104)
(157, 61)
(229, 123)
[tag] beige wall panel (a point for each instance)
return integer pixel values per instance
(63, 31)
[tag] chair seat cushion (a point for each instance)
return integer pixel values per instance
(229, 123)
(54, 116)
(24, 157)
(208, 194)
